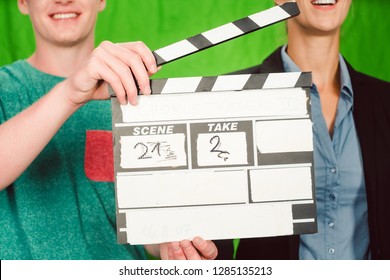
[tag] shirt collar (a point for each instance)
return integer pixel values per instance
(346, 85)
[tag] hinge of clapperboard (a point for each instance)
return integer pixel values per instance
(217, 36)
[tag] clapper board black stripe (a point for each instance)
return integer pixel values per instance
(226, 32)
(304, 218)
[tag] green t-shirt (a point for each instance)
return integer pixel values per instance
(53, 211)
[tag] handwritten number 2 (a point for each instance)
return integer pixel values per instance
(217, 143)
(143, 147)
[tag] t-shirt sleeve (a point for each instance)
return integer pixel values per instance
(6, 104)
(2, 101)
(2, 118)
(10, 99)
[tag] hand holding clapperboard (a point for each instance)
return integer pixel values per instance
(218, 157)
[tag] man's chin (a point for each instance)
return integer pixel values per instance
(68, 41)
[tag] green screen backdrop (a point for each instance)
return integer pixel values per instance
(365, 34)
(158, 23)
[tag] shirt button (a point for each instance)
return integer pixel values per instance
(331, 224)
(331, 251)
(333, 170)
(332, 197)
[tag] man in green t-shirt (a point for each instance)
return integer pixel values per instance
(48, 105)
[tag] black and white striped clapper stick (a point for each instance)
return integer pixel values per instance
(221, 34)
(231, 82)
(225, 32)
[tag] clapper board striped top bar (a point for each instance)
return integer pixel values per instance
(229, 82)
(226, 32)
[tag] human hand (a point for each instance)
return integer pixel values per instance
(123, 66)
(197, 249)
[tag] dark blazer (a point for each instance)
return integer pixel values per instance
(372, 120)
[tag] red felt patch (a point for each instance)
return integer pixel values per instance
(99, 156)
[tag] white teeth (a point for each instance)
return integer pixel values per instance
(324, 2)
(64, 16)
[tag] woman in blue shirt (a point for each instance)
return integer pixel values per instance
(351, 131)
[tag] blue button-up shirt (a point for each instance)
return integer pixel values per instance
(339, 179)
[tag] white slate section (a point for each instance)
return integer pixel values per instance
(281, 136)
(181, 85)
(281, 184)
(232, 145)
(282, 80)
(233, 82)
(208, 105)
(153, 151)
(176, 50)
(269, 16)
(222, 33)
(150, 226)
(182, 188)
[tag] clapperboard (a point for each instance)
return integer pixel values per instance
(218, 157)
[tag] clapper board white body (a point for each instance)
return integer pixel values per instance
(217, 157)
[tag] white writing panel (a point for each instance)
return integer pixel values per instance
(209, 105)
(281, 136)
(181, 189)
(211, 222)
(222, 149)
(153, 151)
(281, 184)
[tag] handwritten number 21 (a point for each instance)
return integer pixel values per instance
(145, 150)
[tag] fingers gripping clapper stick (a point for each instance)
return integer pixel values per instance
(223, 33)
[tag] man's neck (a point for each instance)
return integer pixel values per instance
(60, 60)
